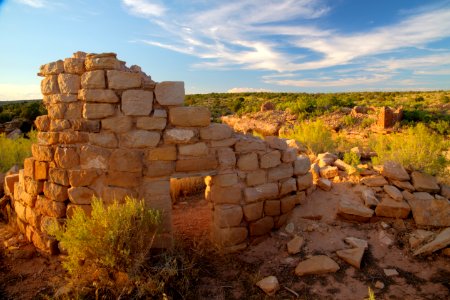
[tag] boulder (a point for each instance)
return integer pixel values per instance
(441, 241)
(352, 256)
(430, 212)
(391, 208)
(316, 265)
(404, 185)
(394, 171)
(424, 182)
(393, 192)
(355, 211)
(324, 184)
(374, 181)
(269, 285)
(370, 200)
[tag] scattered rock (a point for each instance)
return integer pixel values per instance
(379, 285)
(390, 272)
(404, 185)
(430, 211)
(394, 171)
(344, 166)
(294, 246)
(384, 238)
(329, 172)
(370, 200)
(393, 192)
(352, 256)
(357, 243)
(269, 285)
(375, 180)
(441, 241)
(324, 184)
(423, 196)
(352, 210)
(445, 191)
(289, 227)
(327, 157)
(419, 237)
(385, 225)
(424, 182)
(391, 208)
(320, 264)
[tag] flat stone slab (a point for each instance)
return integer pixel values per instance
(424, 182)
(352, 256)
(391, 208)
(316, 265)
(441, 241)
(355, 211)
(430, 212)
(357, 243)
(394, 171)
(376, 180)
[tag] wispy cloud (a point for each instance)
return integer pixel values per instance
(144, 8)
(247, 90)
(33, 3)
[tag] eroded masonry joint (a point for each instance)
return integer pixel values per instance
(112, 131)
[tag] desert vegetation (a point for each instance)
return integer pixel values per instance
(14, 151)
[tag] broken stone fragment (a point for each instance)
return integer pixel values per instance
(352, 256)
(393, 192)
(316, 265)
(355, 211)
(424, 182)
(294, 246)
(269, 285)
(357, 243)
(394, 171)
(442, 240)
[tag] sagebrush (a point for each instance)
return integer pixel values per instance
(14, 151)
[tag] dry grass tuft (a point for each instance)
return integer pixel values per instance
(185, 186)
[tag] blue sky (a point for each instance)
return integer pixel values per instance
(246, 45)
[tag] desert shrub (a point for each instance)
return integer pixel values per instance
(185, 186)
(418, 148)
(441, 126)
(314, 135)
(14, 151)
(114, 238)
(349, 120)
(352, 158)
(367, 122)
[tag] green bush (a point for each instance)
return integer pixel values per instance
(367, 122)
(441, 126)
(349, 120)
(418, 148)
(314, 135)
(114, 238)
(352, 158)
(14, 151)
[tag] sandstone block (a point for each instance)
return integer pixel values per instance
(394, 171)
(98, 95)
(42, 153)
(196, 164)
(324, 184)
(49, 85)
(288, 203)
(248, 162)
(189, 116)
(45, 243)
(261, 192)
(393, 192)
(329, 172)
(74, 66)
(121, 80)
(441, 241)
(125, 160)
(262, 226)
(249, 145)
(316, 265)
(179, 136)
(164, 152)
(81, 195)
(226, 195)
(104, 139)
(374, 181)
(223, 143)
(98, 110)
(93, 80)
(156, 187)
(227, 215)
(57, 111)
(353, 210)
(288, 186)
(72, 137)
(47, 138)
(283, 171)
(270, 159)
(256, 177)
(224, 180)
(33, 187)
(216, 132)
(272, 207)
(391, 208)
(137, 102)
(253, 211)
(67, 158)
(229, 236)
(302, 165)
(370, 200)
(198, 149)
(59, 125)
(289, 155)
(69, 83)
(53, 68)
(78, 178)
(445, 191)
(93, 157)
(27, 199)
(226, 157)
(42, 123)
(151, 123)
(28, 167)
(140, 139)
(85, 125)
(159, 168)
(276, 143)
(10, 180)
(424, 183)
(58, 176)
(20, 211)
(73, 111)
(64, 98)
(102, 62)
(170, 93)
(55, 192)
(123, 179)
(404, 185)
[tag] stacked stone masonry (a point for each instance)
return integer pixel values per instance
(111, 131)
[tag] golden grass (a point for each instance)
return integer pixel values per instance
(185, 186)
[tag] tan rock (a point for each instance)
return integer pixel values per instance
(98, 95)
(216, 132)
(42, 153)
(430, 212)
(49, 85)
(33, 187)
(282, 171)
(227, 215)
(302, 165)
(394, 171)
(189, 116)
(81, 195)
(423, 196)
(140, 139)
(226, 195)
(118, 124)
(198, 149)
(196, 164)
(357, 243)
(47, 138)
(102, 62)
(65, 98)
(57, 111)
(324, 184)
(121, 80)
(164, 152)
(393, 192)
(404, 185)
(78, 178)
(179, 136)
(42, 123)
(249, 145)
(353, 210)
(374, 181)
(295, 245)
(67, 158)
(272, 207)
(352, 256)
(125, 160)
(329, 172)
(151, 123)
(73, 111)
(159, 168)
(170, 92)
(55, 192)
(98, 110)
(442, 240)
(248, 162)
(53, 68)
(10, 180)
(83, 125)
(225, 180)
(288, 203)
(287, 186)
(262, 226)
(370, 200)
(276, 143)
(28, 167)
(58, 176)
(261, 192)
(270, 159)
(20, 211)
(69, 83)
(156, 187)
(269, 285)
(50, 208)
(104, 139)
(424, 182)
(229, 236)
(344, 166)
(391, 208)
(445, 191)
(256, 177)
(289, 155)
(137, 102)
(72, 137)
(93, 80)
(304, 182)
(419, 236)
(123, 179)
(93, 157)
(74, 65)
(316, 265)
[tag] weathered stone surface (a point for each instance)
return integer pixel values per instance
(253, 211)
(123, 179)
(276, 143)
(270, 159)
(151, 123)
(226, 157)
(10, 180)
(304, 182)
(353, 210)
(225, 180)
(93, 80)
(302, 165)
(196, 164)
(55, 192)
(198, 149)
(53, 68)
(229, 236)
(58, 176)
(404, 185)
(93, 157)
(344, 166)
(33, 187)
(287, 186)
(78, 178)
(256, 177)
(424, 182)
(125, 160)
(418, 237)
(352, 256)
(357, 243)
(170, 93)
(179, 136)
(431, 212)
(393, 192)
(391, 208)
(121, 80)
(98, 110)
(137, 103)
(189, 116)
(165, 152)
(227, 215)
(20, 211)
(261, 192)
(42, 153)
(394, 171)
(74, 65)
(65, 98)
(248, 162)
(73, 111)
(42, 123)
(72, 137)
(441, 241)
(104, 139)
(226, 195)
(84, 125)
(28, 167)
(102, 62)
(370, 200)
(249, 145)
(49, 85)
(57, 111)
(283, 171)
(329, 172)
(289, 155)
(216, 132)
(269, 285)
(324, 184)
(156, 187)
(140, 139)
(262, 226)
(81, 195)
(223, 143)
(118, 124)
(67, 158)
(159, 168)
(98, 95)
(316, 265)
(423, 196)
(69, 83)
(374, 181)
(288, 203)
(272, 207)
(295, 245)
(445, 191)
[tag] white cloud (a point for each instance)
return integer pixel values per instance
(144, 8)
(33, 3)
(248, 90)
(20, 91)
(326, 82)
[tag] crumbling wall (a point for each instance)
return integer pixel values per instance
(387, 117)
(111, 131)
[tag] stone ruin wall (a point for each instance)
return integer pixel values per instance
(111, 131)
